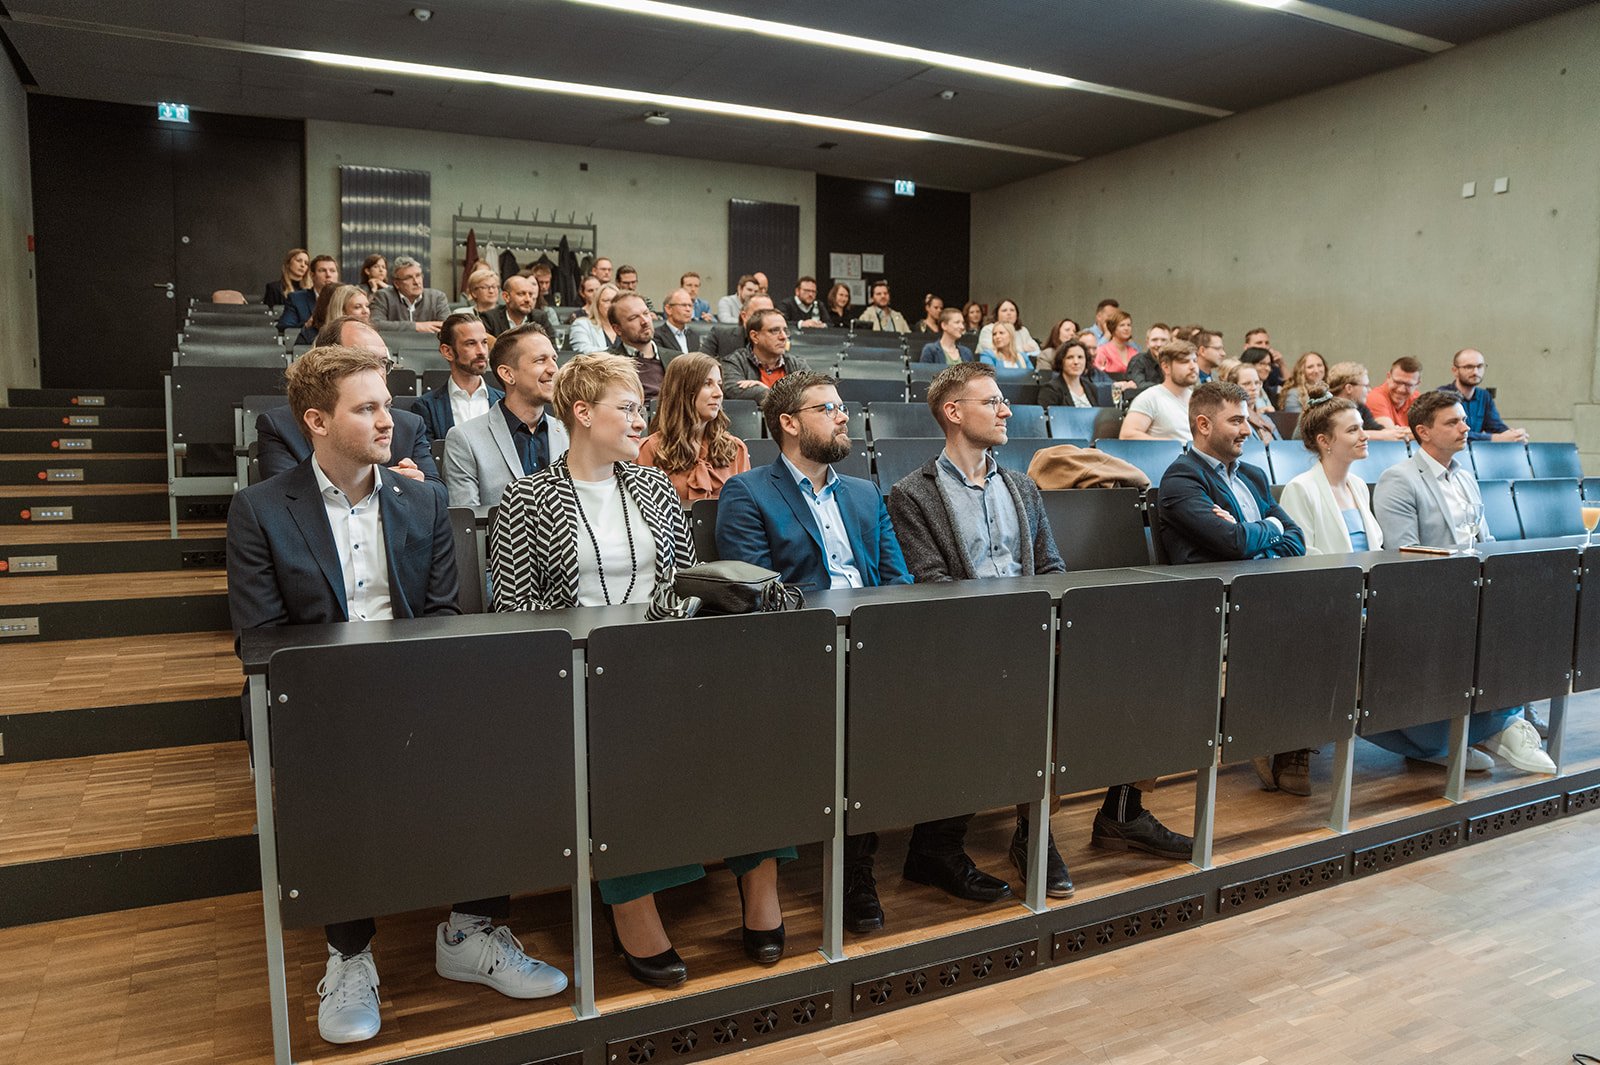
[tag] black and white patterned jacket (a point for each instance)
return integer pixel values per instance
(533, 544)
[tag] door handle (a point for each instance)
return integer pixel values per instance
(169, 286)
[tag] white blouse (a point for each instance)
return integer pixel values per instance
(602, 503)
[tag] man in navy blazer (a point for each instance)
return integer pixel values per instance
(464, 343)
(818, 530)
(281, 446)
(341, 538)
(300, 304)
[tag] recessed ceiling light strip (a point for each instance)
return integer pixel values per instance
(606, 93)
(1354, 23)
(803, 35)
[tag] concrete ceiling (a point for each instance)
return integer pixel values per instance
(1222, 55)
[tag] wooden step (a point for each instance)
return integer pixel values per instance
(85, 398)
(86, 588)
(95, 605)
(88, 467)
(57, 504)
(64, 418)
(80, 441)
(129, 670)
(116, 831)
(109, 556)
(106, 533)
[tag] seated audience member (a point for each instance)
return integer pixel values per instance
(1102, 318)
(483, 294)
(1064, 332)
(974, 314)
(932, 311)
(1211, 352)
(296, 276)
(1261, 359)
(1328, 502)
(690, 283)
(1216, 508)
(1070, 385)
(635, 327)
(802, 309)
(1348, 380)
(764, 360)
(299, 306)
(1483, 420)
(1244, 375)
(600, 270)
(816, 530)
(1003, 353)
(962, 517)
(282, 551)
(374, 274)
(406, 305)
(595, 331)
(1433, 500)
(1006, 313)
(725, 340)
(947, 348)
(761, 282)
(1272, 375)
(464, 344)
(1114, 355)
(517, 436)
(1391, 400)
(690, 439)
(1162, 412)
(1309, 370)
(334, 301)
(877, 314)
(521, 297)
(543, 278)
(595, 528)
(281, 445)
(836, 311)
(586, 293)
(673, 332)
(728, 306)
(628, 281)
(1144, 368)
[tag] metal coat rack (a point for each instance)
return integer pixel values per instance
(520, 234)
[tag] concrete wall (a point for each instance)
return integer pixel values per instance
(1337, 221)
(661, 214)
(19, 323)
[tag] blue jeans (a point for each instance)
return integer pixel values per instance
(1433, 740)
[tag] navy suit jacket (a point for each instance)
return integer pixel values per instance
(1190, 532)
(297, 309)
(283, 566)
(281, 446)
(434, 407)
(763, 519)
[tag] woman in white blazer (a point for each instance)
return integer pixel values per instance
(1330, 504)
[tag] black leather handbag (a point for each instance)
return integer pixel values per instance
(730, 587)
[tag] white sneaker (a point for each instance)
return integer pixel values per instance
(348, 1012)
(1518, 745)
(493, 957)
(1477, 761)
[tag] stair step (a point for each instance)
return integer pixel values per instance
(77, 441)
(88, 606)
(29, 561)
(69, 504)
(84, 468)
(124, 670)
(87, 398)
(65, 418)
(106, 533)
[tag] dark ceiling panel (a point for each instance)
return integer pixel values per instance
(1456, 21)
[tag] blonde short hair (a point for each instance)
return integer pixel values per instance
(586, 378)
(315, 378)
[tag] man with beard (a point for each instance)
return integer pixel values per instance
(517, 436)
(464, 343)
(635, 326)
(817, 530)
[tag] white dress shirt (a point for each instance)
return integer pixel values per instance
(358, 537)
(1463, 512)
(838, 556)
(464, 405)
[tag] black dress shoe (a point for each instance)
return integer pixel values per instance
(861, 910)
(764, 946)
(659, 970)
(1143, 833)
(956, 875)
(1057, 881)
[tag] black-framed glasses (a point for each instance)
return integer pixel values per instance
(828, 408)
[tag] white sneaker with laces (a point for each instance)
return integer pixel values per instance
(1518, 745)
(493, 957)
(1477, 761)
(348, 1012)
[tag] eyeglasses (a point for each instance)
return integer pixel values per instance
(633, 410)
(993, 402)
(828, 408)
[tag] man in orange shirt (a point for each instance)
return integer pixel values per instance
(1390, 401)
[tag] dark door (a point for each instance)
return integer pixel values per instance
(133, 217)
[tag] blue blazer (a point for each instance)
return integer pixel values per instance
(434, 407)
(297, 309)
(281, 446)
(763, 519)
(283, 567)
(1190, 532)
(932, 352)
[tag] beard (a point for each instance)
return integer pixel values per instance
(826, 449)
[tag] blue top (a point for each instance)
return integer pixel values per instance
(1483, 420)
(1356, 528)
(932, 352)
(985, 518)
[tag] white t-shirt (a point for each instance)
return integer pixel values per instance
(1168, 414)
(602, 506)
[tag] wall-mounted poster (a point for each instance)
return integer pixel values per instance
(844, 267)
(858, 290)
(871, 264)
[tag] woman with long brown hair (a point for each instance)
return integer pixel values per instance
(689, 438)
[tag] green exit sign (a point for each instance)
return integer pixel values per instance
(905, 188)
(172, 112)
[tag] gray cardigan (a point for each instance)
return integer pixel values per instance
(920, 511)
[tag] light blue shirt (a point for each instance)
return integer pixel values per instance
(985, 517)
(1249, 512)
(837, 555)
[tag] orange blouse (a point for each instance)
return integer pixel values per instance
(702, 480)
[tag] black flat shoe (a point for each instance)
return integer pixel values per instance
(764, 946)
(862, 912)
(659, 970)
(956, 875)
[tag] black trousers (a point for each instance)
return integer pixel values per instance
(352, 937)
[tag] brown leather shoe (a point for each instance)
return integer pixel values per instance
(1294, 772)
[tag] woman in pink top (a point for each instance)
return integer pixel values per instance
(1114, 355)
(690, 439)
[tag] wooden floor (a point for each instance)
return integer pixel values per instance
(105, 532)
(118, 671)
(90, 587)
(111, 802)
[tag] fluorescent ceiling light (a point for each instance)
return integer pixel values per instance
(1367, 27)
(707, 19)
(606, 93)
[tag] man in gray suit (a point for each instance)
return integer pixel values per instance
(1434, 501)
(517, 436)
(406, 305)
